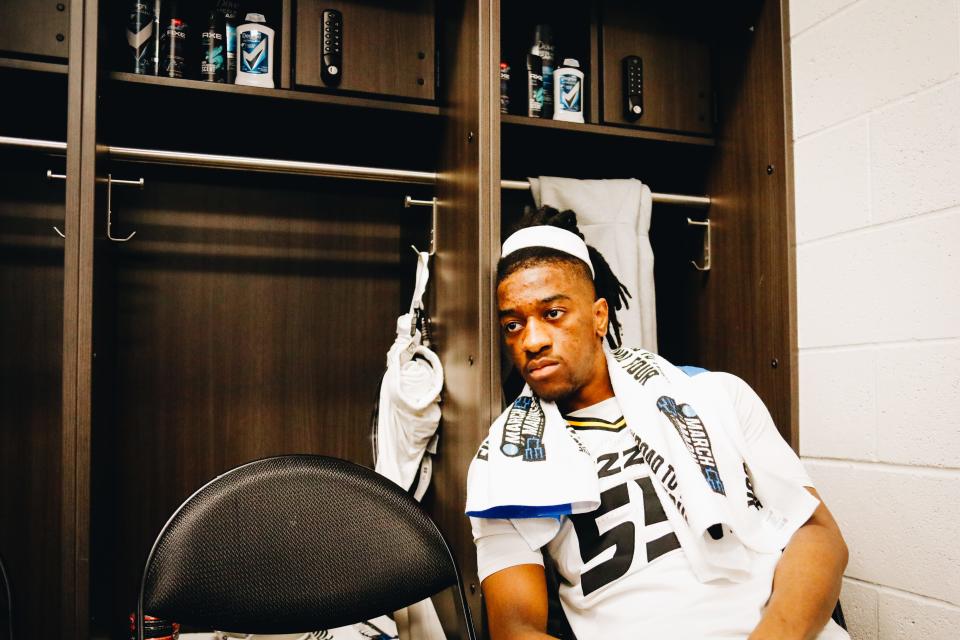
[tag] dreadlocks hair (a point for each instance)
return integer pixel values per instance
(605, 284)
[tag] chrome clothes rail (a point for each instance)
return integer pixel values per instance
(272, 166)
(298, 167)
(702, 202)
(27, 143)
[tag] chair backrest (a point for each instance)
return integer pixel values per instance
(292, 544)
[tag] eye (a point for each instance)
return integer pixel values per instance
(553, 314)
(511, 327)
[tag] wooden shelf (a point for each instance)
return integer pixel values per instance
(283, 94)
(33, 65)
(604, 130)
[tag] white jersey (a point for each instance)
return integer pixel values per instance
(623, 572)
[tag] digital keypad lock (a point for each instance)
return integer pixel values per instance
(633, 87)
(331, 46)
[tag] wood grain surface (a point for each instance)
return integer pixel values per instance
(388, 48)
(461, 300)
(676, 66)
(249, 317)
(31, 341)
(31, 28)
(746, 304)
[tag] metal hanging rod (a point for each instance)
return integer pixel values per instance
(27, 143)
(213, 161)
(702, 202)
(299, 167)
(272, 166)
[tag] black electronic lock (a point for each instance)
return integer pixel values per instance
(331, 67)
(633, 86)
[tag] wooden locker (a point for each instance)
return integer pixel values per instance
(251, 313)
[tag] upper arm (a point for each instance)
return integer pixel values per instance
(516, 600)
(824, 527)
(513, 579)
(823, 518)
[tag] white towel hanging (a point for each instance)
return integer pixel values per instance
(614, 217)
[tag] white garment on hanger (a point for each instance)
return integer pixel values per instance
(614, 216)
(409, 410)
(407, 421)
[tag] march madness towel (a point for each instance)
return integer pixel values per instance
(722, 503)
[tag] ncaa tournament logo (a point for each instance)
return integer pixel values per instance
(690, 427)
(523, 430)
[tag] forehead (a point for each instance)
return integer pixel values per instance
(540, 281)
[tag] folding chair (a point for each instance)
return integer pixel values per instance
(293, 544)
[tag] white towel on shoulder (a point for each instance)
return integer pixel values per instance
(533, 466)
(614, 217)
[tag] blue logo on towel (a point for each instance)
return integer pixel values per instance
(690, 427)
(523, 430)
(534, 450)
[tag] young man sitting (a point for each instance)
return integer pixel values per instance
(669, 504)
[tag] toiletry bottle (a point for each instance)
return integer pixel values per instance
(155, 44)
(230, 10)
(568, 92)
(140, 33)
(213, 45)
(255, 52)
(543, 47)
(504, 87)
(174, 42)
(534, 85)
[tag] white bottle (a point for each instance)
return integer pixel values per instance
(568, 92)
(255, 52)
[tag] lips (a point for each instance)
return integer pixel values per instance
(542, 368)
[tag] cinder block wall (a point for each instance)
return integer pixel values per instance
(876, 118)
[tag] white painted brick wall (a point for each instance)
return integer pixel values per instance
(899, 522)
(885, 283)
(841, 393)
(903, 615)
(918, 386)
(806, 13)
(876, 87)
(868, 55)
(915, 154)
(860, 603)
(833, 180)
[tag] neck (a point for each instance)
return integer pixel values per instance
(597, 389)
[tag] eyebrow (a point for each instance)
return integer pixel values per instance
(541, 302)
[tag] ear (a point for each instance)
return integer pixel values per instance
(600, 317)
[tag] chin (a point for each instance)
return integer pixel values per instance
(551, 392)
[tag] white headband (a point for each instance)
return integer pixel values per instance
(549, 237)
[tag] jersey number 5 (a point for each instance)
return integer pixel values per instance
(621, 536)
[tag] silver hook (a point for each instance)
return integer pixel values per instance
(56, 176)
(110, 183)
(706, 244)
(432, 202)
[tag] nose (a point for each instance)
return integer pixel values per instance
(536, 336)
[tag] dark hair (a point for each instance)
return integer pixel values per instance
(605, 283)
